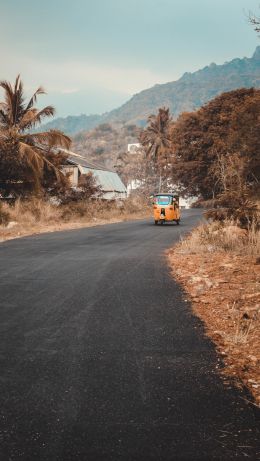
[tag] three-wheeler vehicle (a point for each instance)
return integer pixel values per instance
(166, 208)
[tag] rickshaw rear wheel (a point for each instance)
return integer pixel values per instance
(177, 222)
(155, 222)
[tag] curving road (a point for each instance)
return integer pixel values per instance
(101, 358)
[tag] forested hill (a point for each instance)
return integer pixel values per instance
(191, 91)
(74, 123)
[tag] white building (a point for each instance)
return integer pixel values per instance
(187, 202)
(133, 148)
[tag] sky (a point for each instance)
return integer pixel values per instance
(91, 56)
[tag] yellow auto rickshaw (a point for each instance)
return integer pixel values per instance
(166, 208)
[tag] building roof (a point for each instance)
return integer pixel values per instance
(107, 179)
(166, 193)
(78, 159)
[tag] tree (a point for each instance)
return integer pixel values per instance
(155, 138)
(156, 141)
(87, 188)
(228, 125)
(131, 166)
(255, 21)
(27, 159)
(217, 154)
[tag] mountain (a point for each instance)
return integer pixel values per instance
(104, 143)
(188, 93)
(192, 90)
(74, 123)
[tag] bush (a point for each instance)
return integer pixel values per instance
(223, 236)
(74, 210)
(4, 216)
(99, 150)
(87, 188)
(237, 205)
(105, 127)
(34, 211)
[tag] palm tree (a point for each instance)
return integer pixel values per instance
(156, 140)
(19, 146)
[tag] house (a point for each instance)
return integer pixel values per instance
(187, 202)
(134, 147)
(111, 185)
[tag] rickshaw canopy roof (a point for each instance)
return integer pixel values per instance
(169, 194)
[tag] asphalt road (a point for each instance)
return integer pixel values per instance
(101, 357)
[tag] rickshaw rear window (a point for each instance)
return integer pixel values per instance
(163, 199)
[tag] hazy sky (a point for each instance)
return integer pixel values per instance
(92, 55)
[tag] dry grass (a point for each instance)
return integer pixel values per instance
(32, 212)
(227, 236)
(218, 266)
(36, 215)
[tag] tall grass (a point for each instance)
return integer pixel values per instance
(33, 214)
(225, 236)
(4, 215)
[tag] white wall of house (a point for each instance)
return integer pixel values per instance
(133, 148)
(132, 185)
(187, 202)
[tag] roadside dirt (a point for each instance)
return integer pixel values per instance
(18, 230)
(225, 292)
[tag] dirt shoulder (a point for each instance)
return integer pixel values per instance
(224, 288)
(17, 230)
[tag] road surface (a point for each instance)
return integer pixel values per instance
(101, 357)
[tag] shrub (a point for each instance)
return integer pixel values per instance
(105, 127)
(87, 188)
(34, 211)
(4, 216)
(223, 236)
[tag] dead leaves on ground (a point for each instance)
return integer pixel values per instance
(225, 292)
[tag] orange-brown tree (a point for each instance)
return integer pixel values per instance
(227, 125)
(217, 152)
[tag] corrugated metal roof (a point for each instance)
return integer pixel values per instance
(82, 161)
(107, 179)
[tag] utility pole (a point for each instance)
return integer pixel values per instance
(160, 182)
